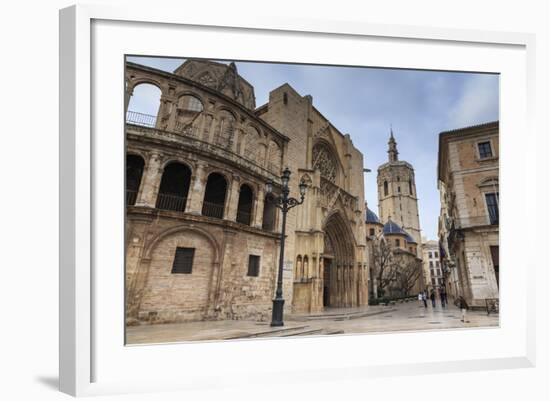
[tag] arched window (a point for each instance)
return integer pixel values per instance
(134, 171)
(253, 139)
(268, 218)
(188, 109)
(244, 207)
(174, 187)
(305, 272)
(214, 196)
(324, 161)
(385, 188)
(144, 105)
(226, 129)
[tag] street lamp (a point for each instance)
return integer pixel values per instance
(284, 203)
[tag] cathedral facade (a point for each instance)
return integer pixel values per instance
(202, 235)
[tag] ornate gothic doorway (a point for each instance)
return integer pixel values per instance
(339, 275)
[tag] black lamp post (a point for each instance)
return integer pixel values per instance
(284, 203)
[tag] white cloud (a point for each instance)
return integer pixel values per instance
(478, 102)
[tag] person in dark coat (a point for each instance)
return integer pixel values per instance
(432, 297)
(442, 297)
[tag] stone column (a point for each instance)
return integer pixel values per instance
(196, 190)
(232, 202)
(168, 107)
(259, 208)
(150, 181)
(127, 96)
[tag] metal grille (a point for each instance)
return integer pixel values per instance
(171, 202)
(243, 217)
(212, 210)
(131, 197)
(144, 120)
(183, 261)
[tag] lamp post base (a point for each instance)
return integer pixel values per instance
(277, 313)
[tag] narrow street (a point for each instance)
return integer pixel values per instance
(409, 316)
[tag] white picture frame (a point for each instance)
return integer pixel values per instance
(94, 360)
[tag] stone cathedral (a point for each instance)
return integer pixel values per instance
(397, 201)
(202, 235)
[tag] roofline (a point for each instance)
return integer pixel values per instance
(472, 129)
(208, 61)
(250, 113)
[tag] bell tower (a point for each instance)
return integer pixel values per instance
(397, 192)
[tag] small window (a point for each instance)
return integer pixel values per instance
(253, 266)
(285, 98)
(385, 188)
(410, 188)
(436, 263)
(371, 232)
(430, 255)
(183, 261)
(436, 254)
(484, 150)
(431, 263)
(492, 207)
(433, 281)
(397, 242)
(399, 189)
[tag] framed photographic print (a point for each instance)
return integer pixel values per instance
(290, 199)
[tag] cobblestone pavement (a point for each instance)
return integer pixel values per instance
(373, 319)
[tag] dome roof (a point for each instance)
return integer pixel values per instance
(409, 238)
(371, 217)
(392, 228)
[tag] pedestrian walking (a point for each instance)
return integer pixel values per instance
(442, 296)
(424, 299)
(463, 305)
(432, 297)
(420, 299)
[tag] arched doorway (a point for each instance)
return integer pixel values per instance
(174, 187)
(244, 207)
(214, 196)
(339, 273)
(134, 171)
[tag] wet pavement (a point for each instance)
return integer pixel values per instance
(408, 316)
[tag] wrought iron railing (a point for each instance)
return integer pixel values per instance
(243, 217)
(131, 197)
(144, 120)
(171, 202)
(212, 210)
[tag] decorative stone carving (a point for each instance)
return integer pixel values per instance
(323, 159)
(207, 79)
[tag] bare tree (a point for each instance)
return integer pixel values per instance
(383, 269)
(407, 270)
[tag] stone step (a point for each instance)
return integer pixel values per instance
(269, 333)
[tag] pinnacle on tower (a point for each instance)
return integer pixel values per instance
(392, 148)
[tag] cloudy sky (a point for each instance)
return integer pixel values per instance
(364, 102)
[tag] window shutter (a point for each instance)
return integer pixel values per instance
(183, 261)
(253, 265)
